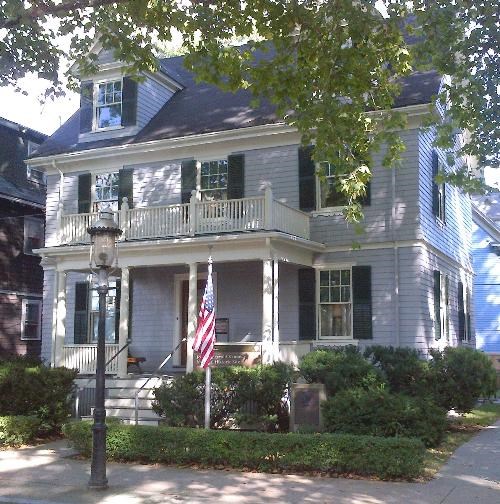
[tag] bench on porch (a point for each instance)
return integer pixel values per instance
(135, 361)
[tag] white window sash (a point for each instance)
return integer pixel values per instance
(24, 311)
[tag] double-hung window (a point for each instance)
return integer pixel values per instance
(106, 191)
(213, 180)
(329, 195)
(441, 305)
(34, 229)
(108, 104)
(31, 319)
(110, 313)
(335, 303)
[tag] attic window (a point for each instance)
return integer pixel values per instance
(108, 104)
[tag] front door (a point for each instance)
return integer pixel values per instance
(184, 312)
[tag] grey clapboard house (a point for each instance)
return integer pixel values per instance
(187, 167)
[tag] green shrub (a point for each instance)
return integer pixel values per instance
(18, 430)
(405, 370)
(328, 453)
(339, 369)
(460, 376)
(181, 402)
(377, 412)
(36, 390)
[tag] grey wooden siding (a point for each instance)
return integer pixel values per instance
(47, 314)
(333, 230)
(453, 238)
(151, 96)
(486, 291)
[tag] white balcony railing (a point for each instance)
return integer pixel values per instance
(83, 358)
(194, 218)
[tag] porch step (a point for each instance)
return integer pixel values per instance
(128, 421)
(127, 402)
(121, 393)
(129, 413)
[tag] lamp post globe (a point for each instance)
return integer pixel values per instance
(103, 235)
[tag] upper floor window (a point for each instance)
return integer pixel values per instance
(438, 189)
(335, 305)
(108, 105)
(31, 319)
(32, 147)
(329, 195)
(36, 176)
(213, 180)
(33, 234)
(106, 191)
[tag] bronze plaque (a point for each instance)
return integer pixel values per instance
(305, 405)
(234, 354)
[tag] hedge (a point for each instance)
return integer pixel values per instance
(18, 430)
(327, 453)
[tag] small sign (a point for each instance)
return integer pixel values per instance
(235, 354)
(305, 406)
(222, 330)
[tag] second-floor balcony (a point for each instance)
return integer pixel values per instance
(195, 218)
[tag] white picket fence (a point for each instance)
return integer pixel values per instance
(83, 358)
(194, 218)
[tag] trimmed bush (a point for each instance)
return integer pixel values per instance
(36, 391)
(405, 370)
(181, 402)
(18, 430)
(328, 453)
(460, 376)
(377, 412)
(339, 369)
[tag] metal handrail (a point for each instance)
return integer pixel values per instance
(81, 388)
(154, 374)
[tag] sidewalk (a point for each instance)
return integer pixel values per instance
(46, 475)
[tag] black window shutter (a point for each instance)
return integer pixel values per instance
(126, 186)
(437, 304)
(435, 187)
(84, 197)
(366, 200)
(307, 304)
(81, 313)
(307, 179)
(117, 309)
(86, 106)
(235, 176)
(447, 301)
(129, 102)
(362, 302)
(188, 179)
(461, 312)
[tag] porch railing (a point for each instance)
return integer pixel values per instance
(83, 358)
(195, 218)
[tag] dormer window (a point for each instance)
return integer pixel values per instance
(108, 104)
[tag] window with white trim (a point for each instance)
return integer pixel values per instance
(441, 195)
(467, 305)
(110, 335)
(31, 319)
(213, 180)
(36, 176)
(34, 229)
(106, 191)
(328, 194)
(108, 104)
(335, 303)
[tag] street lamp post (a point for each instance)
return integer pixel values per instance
(103, 235)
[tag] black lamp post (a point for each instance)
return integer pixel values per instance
(103, 235)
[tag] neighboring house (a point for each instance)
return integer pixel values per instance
(22, 202)
(486, 256)
(190, 169)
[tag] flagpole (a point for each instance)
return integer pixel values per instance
(208, 373)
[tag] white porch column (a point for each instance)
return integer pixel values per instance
(124, 319)
(60, 319)
(267, 311)
(276, 327)
(192, 315)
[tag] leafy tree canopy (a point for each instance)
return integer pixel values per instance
(329, 63)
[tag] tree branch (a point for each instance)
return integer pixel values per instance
(40, 11)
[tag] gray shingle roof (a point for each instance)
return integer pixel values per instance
(204, 108)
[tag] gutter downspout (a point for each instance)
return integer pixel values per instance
(396, 259)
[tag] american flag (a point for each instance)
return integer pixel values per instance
(205, 333)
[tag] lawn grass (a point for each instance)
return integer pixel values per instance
(461, 429)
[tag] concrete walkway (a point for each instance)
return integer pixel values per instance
(46, 474)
